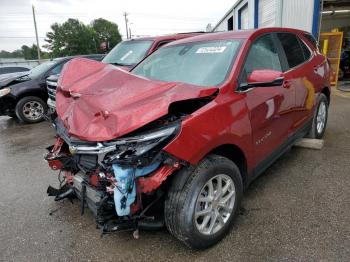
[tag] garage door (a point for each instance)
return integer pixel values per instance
(267, 13)
(244, 16)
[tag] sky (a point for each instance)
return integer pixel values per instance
(147, 17)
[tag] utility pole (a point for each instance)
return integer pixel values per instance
(36, 33)
(126, 24)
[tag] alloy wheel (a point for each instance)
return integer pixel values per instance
(215, 204)
(321, 117)
(33, 110)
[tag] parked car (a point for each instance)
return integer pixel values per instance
(125, 55)
(179, 138)
(13, 69)
(24, 95)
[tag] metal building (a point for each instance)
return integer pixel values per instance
(247, 14)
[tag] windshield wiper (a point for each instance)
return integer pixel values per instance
(120, 64)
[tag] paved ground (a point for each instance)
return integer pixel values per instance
(298, 210)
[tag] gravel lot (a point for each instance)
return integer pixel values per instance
(298, 210)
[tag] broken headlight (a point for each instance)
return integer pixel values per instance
(142, 148)
(4, 92)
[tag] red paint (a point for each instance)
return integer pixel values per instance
(98, 102)
(51, 157)
(263, 76)
(152, 182)
(68, 177)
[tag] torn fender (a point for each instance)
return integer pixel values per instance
(152, 182)
(99, 102)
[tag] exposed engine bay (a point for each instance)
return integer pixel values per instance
(117, 180)
(120, 181)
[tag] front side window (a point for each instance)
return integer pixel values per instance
(292, 49)
(128, 53)
(262, 55)
(202, 64)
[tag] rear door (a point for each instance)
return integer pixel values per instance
(270, 107)
(301, 76)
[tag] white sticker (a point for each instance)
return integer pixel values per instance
(126, 55)
(211, 50)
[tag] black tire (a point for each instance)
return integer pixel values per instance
(181, 202)
(314, 132)
(20, 111)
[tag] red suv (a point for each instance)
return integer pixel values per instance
(177, 140)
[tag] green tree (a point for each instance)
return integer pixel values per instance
(31, 52)
(15, 54)
(105, 31)
(70, 38)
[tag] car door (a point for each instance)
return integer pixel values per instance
(301, 76)
(270, 107)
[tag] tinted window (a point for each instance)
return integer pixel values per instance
(311, 39)
(262, 55)
(306, 50)
(202, 64)
(292, 48)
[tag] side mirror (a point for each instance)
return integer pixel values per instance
(263, 78)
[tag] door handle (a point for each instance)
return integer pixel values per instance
(286, 84)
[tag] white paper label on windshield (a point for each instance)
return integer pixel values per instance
(126, 55)
(211, 50)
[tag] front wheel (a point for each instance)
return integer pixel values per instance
(31, 109)
(202, 212)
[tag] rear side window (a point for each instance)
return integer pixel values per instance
(292, 49)
(262, 55)
(311, 39)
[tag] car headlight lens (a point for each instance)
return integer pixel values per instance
(4, 92)
(148, 144)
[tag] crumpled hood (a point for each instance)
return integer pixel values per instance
(6, 79)
(99, 102)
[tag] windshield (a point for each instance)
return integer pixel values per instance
(41, 69)
(128, 53)
(202, 64)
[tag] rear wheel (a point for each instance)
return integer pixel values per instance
(31, 109)
(319, 122)
(201, 213)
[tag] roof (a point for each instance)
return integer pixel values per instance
(167, 37)
(241, 34)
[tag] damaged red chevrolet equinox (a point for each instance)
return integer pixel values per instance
(176, 141)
